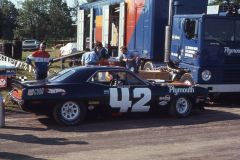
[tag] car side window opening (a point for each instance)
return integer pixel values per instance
(101, 77)
(115, 78)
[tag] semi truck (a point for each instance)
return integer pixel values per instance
(193, 46)
(207, 51)
(137, 24)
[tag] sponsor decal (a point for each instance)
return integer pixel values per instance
(164, 100)
(35, 92)
(190, 51)
(174, 54)
(56, 90)
(175, 37)
(3, 82)
(176, 91)
(106, 92)
(229, 51)
(191, 48)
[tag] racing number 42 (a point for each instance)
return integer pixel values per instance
(125, 103)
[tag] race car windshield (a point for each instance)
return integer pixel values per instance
(60, 76)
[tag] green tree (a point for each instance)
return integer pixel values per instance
(8, 20)
(60, 20)
(33, 19)
(74, 11)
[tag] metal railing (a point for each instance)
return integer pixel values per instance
(63, 58)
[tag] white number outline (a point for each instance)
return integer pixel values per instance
(124, 103)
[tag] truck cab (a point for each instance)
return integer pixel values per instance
(206, 49)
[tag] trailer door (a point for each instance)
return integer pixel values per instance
(105, 29)
(121, 26)
(91, 29)
(139, 30)
(80, 30)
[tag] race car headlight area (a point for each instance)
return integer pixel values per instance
(206, 75)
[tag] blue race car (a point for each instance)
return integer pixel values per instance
(74, 93)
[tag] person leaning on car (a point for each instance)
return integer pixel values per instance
(128, 59)
(89, 58)
(101, 52)
(42, 61)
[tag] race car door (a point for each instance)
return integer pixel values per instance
(128, 93)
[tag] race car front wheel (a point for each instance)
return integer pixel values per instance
(69, 113)
(180, 107)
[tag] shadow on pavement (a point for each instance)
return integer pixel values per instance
(144, 121)
(15, 156)
(132, 121)
(28, 138)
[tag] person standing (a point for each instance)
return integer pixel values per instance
(102, 53)
(89, 58)
(128, 59)
(42, 61)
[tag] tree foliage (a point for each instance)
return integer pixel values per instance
(44, 20)
(8, 20)
(60, 19)
(33, 19)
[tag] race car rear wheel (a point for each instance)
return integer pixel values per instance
(180, 107)
(69, 113)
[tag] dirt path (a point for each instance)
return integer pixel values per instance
(209, 134)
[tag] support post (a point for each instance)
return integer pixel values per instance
(2, 113)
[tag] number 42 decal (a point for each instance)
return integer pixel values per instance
(125, 103)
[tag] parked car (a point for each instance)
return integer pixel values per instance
(30, 45)
(74, 93)
(69, 48)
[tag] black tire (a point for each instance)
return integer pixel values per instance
(148, 66)
(187, 79)
(69, 113)
(181, 106)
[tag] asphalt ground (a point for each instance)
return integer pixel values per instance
(213, 133)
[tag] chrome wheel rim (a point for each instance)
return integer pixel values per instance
(182, 105)
(70, 111)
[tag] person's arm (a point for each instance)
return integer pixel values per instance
(29, 61)
(106, 54)
(133, 57)
(83, 59)
(50, 62)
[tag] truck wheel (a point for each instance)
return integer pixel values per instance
(187, 79)
(180, 107)
(148, 66)
(69, 113)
